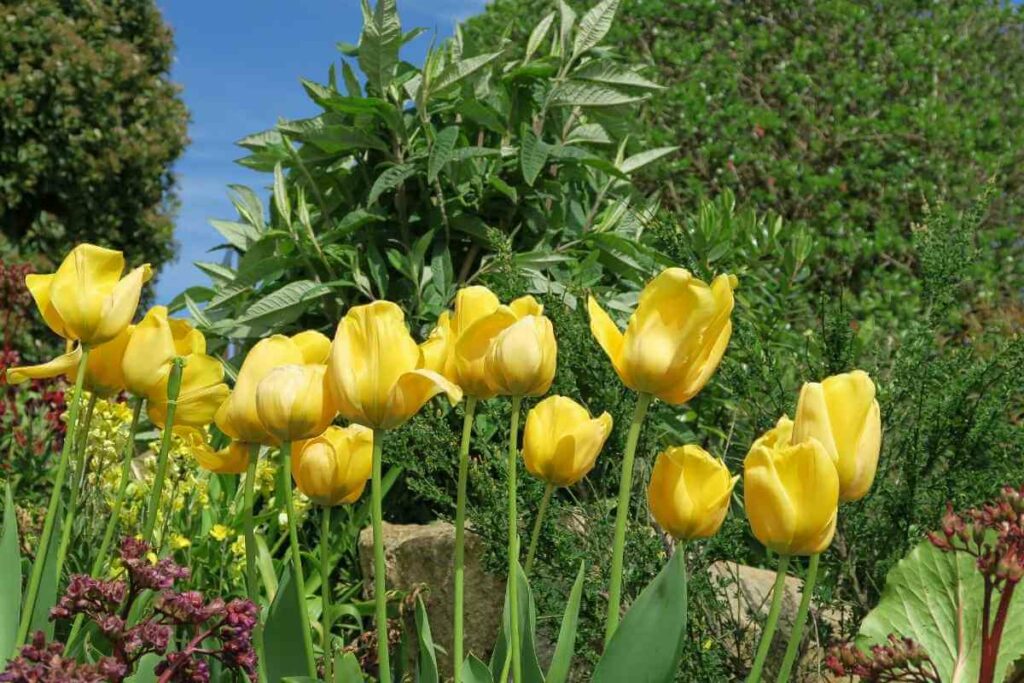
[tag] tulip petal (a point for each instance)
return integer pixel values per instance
(64, 364)
(104, 373)
(314, 346)
(609, 337)
(856, 486)
(149, 352)
(472, 304)
(771, 512)
(849, 398)
(472, 348)
(120, 306)
(808, 474)
(436, 349)
(411, 391)
(81, 285)
(39, 286)
(526, 305)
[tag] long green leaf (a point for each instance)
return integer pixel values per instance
(532, 156)
(638, 161)
(427, 671)
(475, 671)
(283, 304)
(454, 73)
(648, 644)
(527, 626)
(589, 94)
(10, 579)
(561, 661)
(145, 670)
(441, 151)
(282, 638)
(238, 235)
(379, 43)
(540, 31)
(594, 26)
(46, 598)
(613, 74)
(346, 669)
(391, 178)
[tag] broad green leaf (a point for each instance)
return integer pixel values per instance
(613, 74)
(346, 669)
(379, 43)
(351, 222)
(427, 671)
(282, 638)
(217, 272)
(589, 132)
(453, 73)
(589, 94)
(594, 26)
(265, 565)
(935, 598)
(328, 134)
(351, 82)
(197, 313)
(464, 153)
(286, 303)
(249, 206)
(145, 670)
(475, 671)
(648, 643)
(391, 178)
(638, 161)
(532, 156)
(281, 202)
(238, 235)
(568, 20)
(540, 31)
(259, 141)
(527, 625)
(441, 151)
(561, 661)
(10, 580)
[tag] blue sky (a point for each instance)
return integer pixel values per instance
(239, 64)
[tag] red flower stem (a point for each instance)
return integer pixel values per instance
(990, 646)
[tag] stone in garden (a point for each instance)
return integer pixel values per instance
(422, 556)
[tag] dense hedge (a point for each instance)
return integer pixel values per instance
(89, 127)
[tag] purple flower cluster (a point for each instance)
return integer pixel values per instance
(901, 659)
(175, 617)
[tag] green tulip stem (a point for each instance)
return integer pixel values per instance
(78, 478)
(643, 401)
(772, 623)
(296, 551)
(173, 389)
(460, 536)
(531, 552)
(379, 568)
(325, 591)
(681, 548)
(251, 587)
(28, 607)
(513, 542)
(801, 617)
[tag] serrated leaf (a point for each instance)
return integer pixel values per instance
(352, 86)
(261, 140)
(638, 161)
(441, 151)
(217, 271)
(196, 312)
(453, 73)
(391, 178)
(248, 205)
(589, 94)
(463, 153)
(379, 43)
(540, 31)
(593, 133)
(10, 579)
(286, 303)
(325, 133)
(594, 26)
(533, 154)
(568, 20)
(281, 202)
(936, 598)
(613, 74)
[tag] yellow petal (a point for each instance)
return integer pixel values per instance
(39, 286)
(472, 348)
(472, 304)
(233, 459)
(187, 339)
(689, 492)
(526, 305)
(149, 352)
(104, 374)
(855, 485)
(292, 403)
(609, 337)
(771, 514)
(81, 286)
(237, 417)
(561, 442)
(333, 468)
(411, 391)
(120, 306)
(438, 346)
(522, 358)
(314, 346)
(61, 365)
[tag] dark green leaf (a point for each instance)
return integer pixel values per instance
(46, 598)
(379, 43)
(391, 178)
(441, 151)
(427, 671)
(532, 156)
(287, 302)
(561, 661)
(10, 579)
(475, 671)
(346, 669)
(589, 94)
(284, 652)
(527, 625)
(594, 25)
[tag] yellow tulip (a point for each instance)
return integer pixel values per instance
(841, 412)
(201, 395)
(232, 459)
(561, 441)
(333, 468)
(522, 358)
(675, 338)
(689, 492)
(459, 344)
(791, 493)
(293, 402)
(376, 370)
(103, 374)
(87, 300)
(238, 416)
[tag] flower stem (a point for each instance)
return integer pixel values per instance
(28, 607)
(81, 444)
(643, 401)
(460, 536)
(513, 542)
(801, 616)
(325, 591)
(990, 648)
(251, 587)
(772, 623)
(173, 389)
(296, 551)
(379, 568)
(532, 550)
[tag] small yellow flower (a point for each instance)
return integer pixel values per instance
(220, 532)
(179, 542)
(238, 547)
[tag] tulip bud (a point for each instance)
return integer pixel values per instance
(561, 441)
(791, 493)
(842, 414)
(689, 492)
(292, 402)
(522, 359)
(332, 469)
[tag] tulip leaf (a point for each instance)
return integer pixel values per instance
(566, 647)
(936, 598)
(46, 598)
(284, 652)
(10, 580)
(527, 624)
(475, 671)
(648, 643)
(427, 672)
(346, 669)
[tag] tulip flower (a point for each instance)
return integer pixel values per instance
(791, 494)
(521, 360)
(842, 414)
(561, 441)
(675, 338)
(333, 468)
(293, 402)
(232, 459)
(103, 374)
(689, 492)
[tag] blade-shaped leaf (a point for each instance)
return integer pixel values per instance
(532, 156)
(935, 598)
(568, 19)
(346, 669)
(527, 625)
(594, 25)
(589, 94)
(288, 302)
(10, 580)
(46, 598)
(648, 644)
(475, 671)
(427, 671)
(238, 235)
(391, 178)
(453, 73)
(561, 661)
(540, 31)
(282, 638)
(638, 161)
(281, 202)
(379, 43)
(441, 151)
(613, 74)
